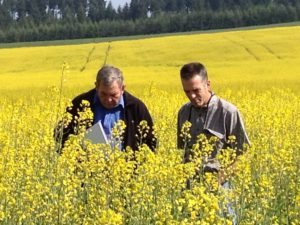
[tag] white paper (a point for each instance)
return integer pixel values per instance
(96, 134)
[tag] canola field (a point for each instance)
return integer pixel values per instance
(257, 70)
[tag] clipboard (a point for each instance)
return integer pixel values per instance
(96, 134)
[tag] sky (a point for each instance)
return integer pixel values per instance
(116, 3)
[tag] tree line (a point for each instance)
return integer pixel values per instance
(34, 20)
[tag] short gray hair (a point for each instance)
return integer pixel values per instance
(108, 74)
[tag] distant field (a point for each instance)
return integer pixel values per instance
(251, 59)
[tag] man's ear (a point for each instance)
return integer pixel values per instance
(96, 84)
(208, 84)
(123, 87)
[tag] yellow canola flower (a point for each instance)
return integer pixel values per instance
(91, 184)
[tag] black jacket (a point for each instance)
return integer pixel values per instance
(134, 112)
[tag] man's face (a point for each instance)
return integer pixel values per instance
(109, 95)
(197, 90)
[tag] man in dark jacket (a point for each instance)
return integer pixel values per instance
(110, 103)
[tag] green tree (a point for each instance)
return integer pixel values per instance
(42, 6)
(68, 14)
(33, 10)
(138, 9)
(2, 37)
(68, 10)
(110, 12)
(156, 6)
(298, 10)
(124, 13)
(5, 18)
(170, 6)
(96, 9)
(80, 7)
(21, 9)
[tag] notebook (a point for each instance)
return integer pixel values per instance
(96, 134)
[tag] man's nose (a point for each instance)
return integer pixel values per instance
(193, 95)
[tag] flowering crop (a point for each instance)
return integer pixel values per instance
(256, 70)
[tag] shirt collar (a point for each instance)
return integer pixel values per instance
(121, 102)
(205, 107)
(212, 94)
